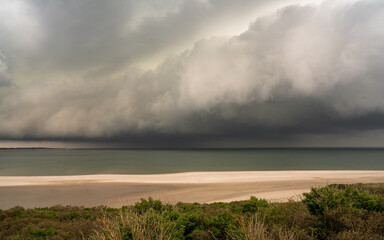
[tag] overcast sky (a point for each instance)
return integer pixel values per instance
(192, 73)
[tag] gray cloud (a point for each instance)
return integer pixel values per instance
(5, 78)
(303, 72)
(95, 39)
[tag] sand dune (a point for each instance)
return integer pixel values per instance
(117, 190)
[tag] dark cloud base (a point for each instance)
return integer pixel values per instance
(228, 134)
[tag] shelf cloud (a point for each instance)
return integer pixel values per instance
(306, 74)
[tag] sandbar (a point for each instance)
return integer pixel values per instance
(203, 187)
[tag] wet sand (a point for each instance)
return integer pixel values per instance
(118, 190)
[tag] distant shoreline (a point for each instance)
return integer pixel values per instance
(117, 190)
(199, 149)
(32, 148)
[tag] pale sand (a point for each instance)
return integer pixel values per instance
(118, 190)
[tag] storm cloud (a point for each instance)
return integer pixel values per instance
(308, 73)
(5, 78)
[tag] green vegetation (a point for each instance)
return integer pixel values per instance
(332, 212)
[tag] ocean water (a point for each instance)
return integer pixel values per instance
(77, 162)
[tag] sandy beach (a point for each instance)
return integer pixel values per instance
(118, 190)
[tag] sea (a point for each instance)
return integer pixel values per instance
(59, 162)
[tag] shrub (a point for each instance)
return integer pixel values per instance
(145, 205)
(321, 199)
(254, 204)
(343, 212)
(42, 233)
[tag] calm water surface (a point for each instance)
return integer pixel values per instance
(71, 162)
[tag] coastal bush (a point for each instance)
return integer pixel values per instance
(371, 188)
(333, 212)
(321, 199)
(145, 205)
(254, 204)
(42, 233)
(345, 211)
(47, 223)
